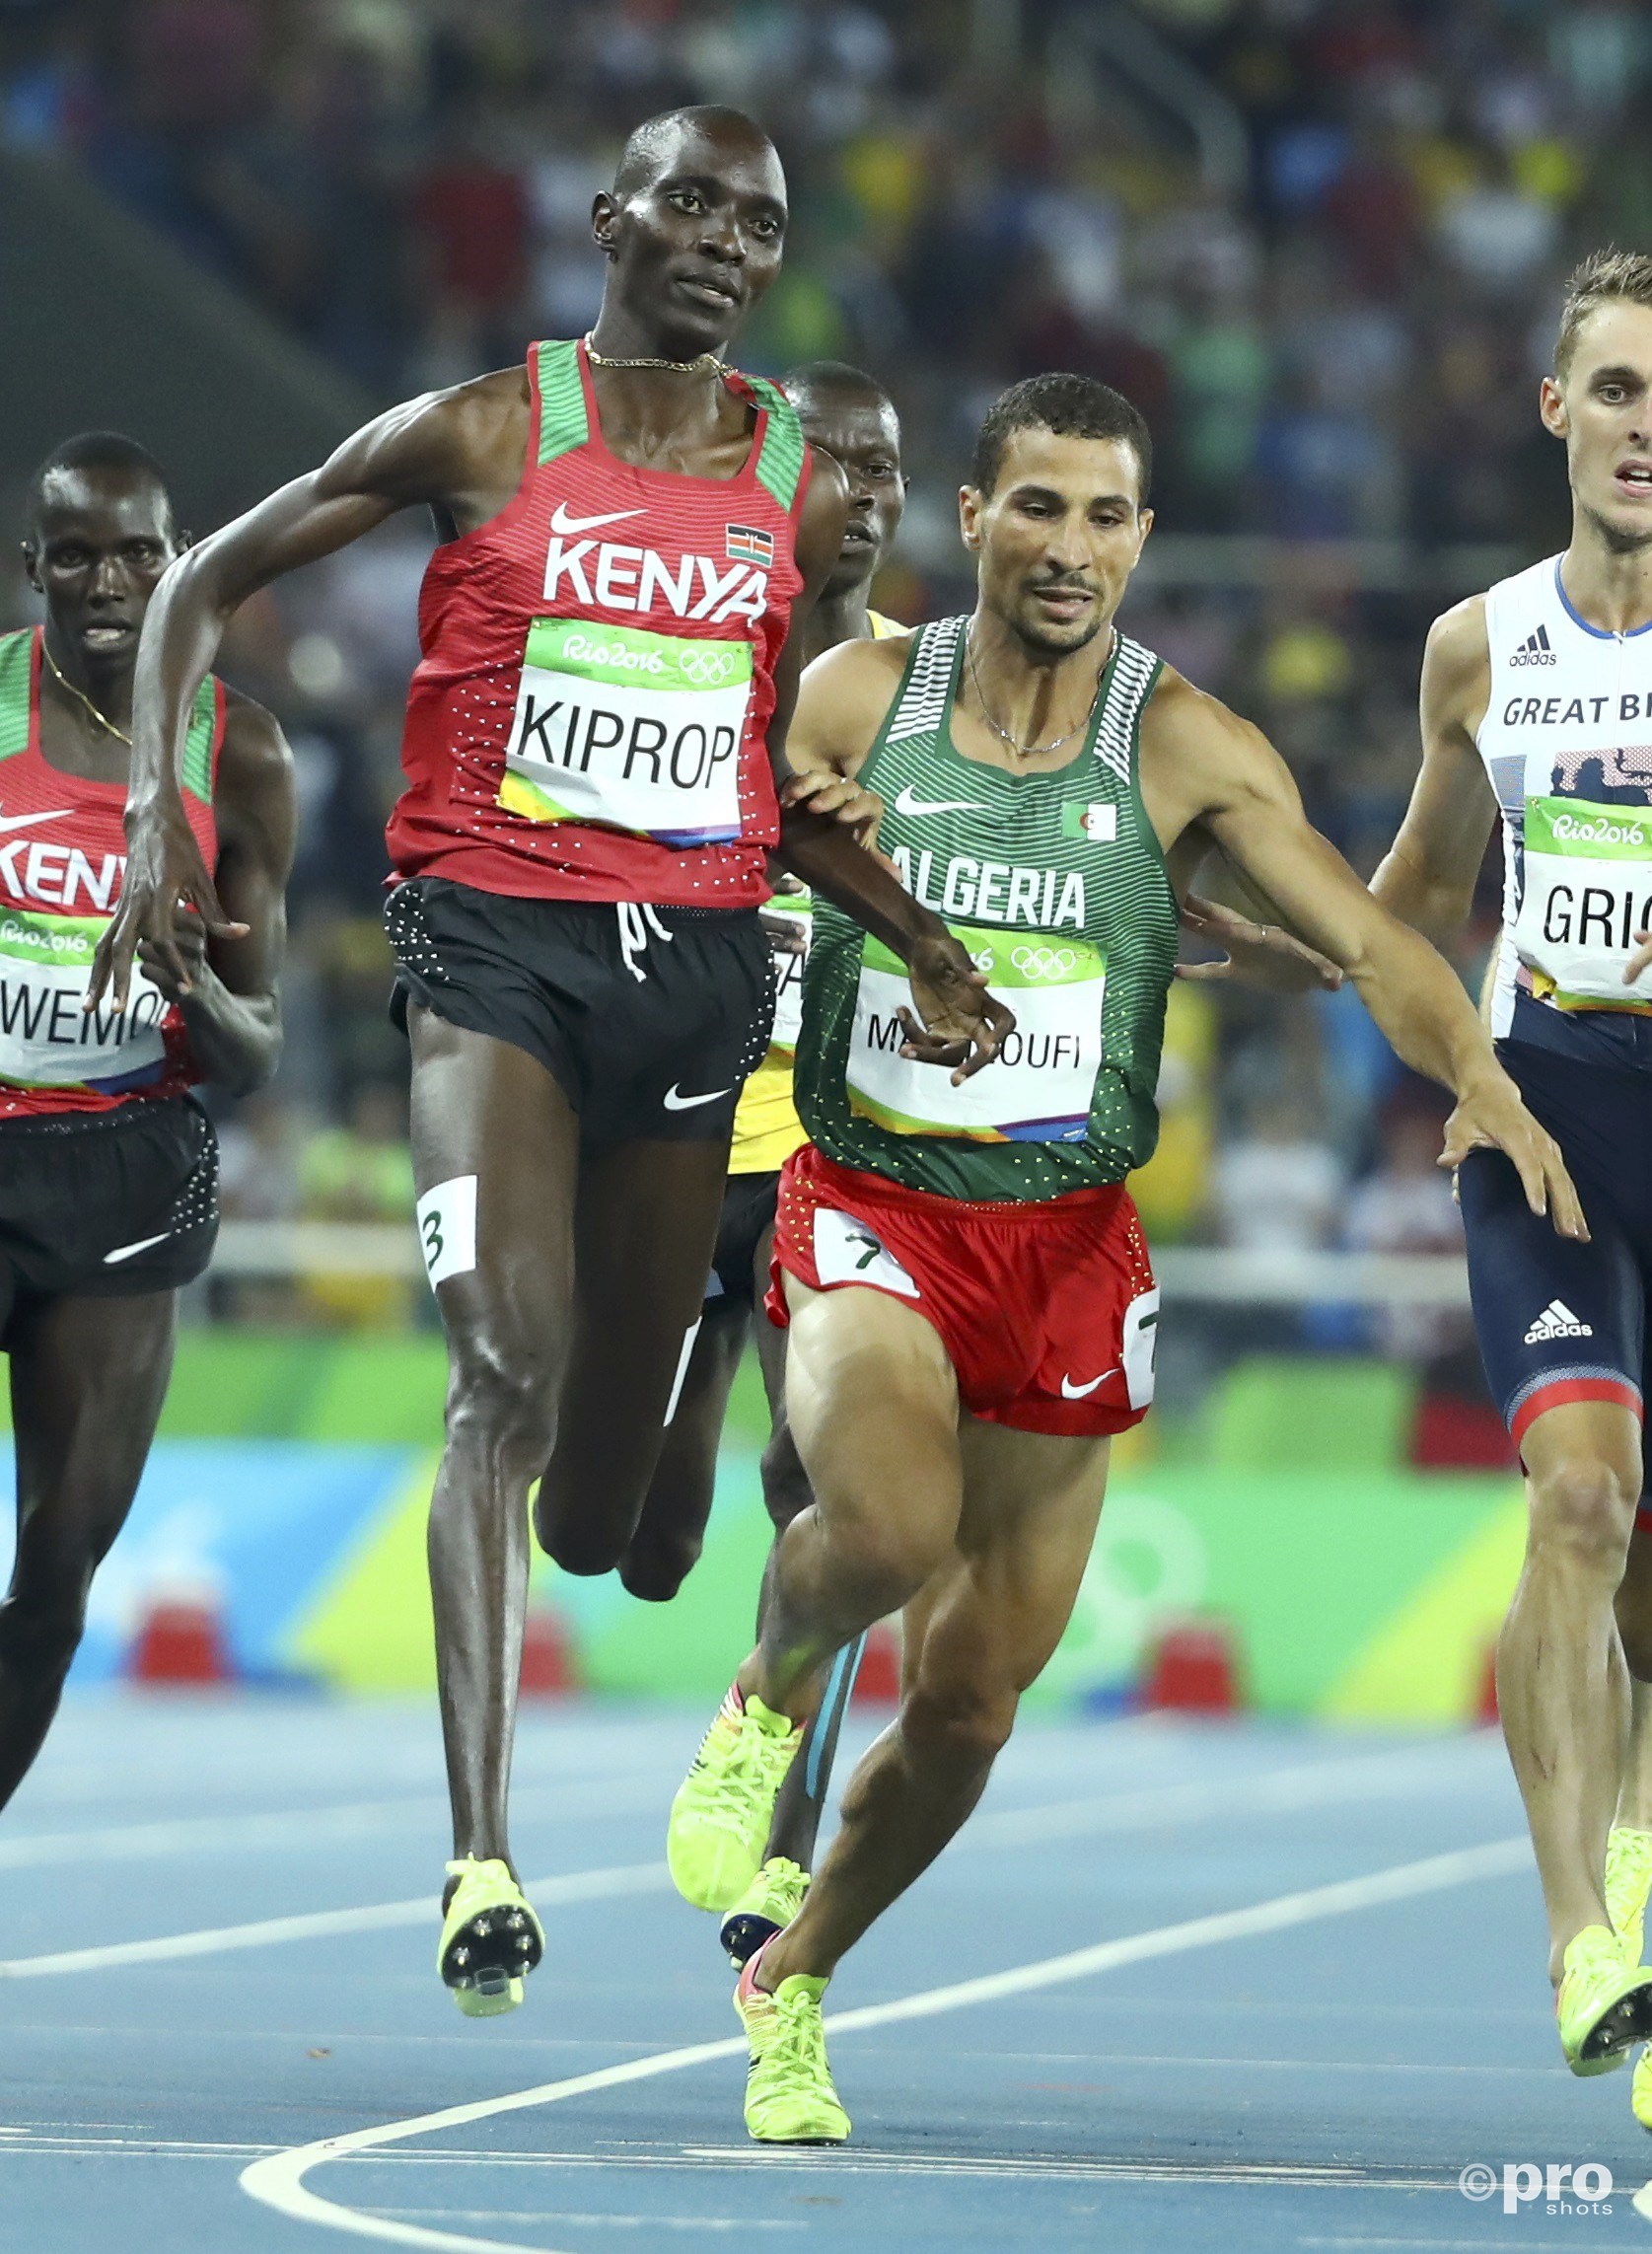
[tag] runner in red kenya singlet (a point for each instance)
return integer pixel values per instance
(595, 740)
(109, 1167)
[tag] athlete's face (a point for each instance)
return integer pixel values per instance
(862, 435)
(1059, 536)
(696, 245)
(101, 540)
(1602, 410)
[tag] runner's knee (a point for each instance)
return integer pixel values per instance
(1583, 1509)
(958, 1726)
(504, 1399)
(786, 1492)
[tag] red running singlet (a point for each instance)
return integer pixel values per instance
(589, 718)
(62, 858)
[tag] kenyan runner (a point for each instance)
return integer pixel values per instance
(109, 1166)
(594, 758)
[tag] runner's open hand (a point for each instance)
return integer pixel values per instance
(1493, 1117)
(163, 870)
(962, 1025)
(189, 943)
(1254, 954)
(841, 796)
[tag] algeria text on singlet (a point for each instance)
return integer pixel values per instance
(1056, 885)
(62, 859)
(588, 718)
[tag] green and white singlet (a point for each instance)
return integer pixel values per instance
(1055, 883)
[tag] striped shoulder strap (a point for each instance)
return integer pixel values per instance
(563, 420)
(201, 741)
(922, 702)
(1133, 672)
(780, 464)
(17, 656)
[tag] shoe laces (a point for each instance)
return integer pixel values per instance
(749, 1772)
(796, 2047)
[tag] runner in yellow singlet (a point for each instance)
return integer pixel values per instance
(850, 416)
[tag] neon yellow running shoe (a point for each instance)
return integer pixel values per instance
(771, 1901)
(1604, 2005)
(1628, 1880)
(490, 1939)
(724, 1806)
(789, 2095)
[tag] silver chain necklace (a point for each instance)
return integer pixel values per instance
(1022, 751)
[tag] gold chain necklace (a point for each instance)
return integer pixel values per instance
(103, 719)
(1035, 751)
(703, 363)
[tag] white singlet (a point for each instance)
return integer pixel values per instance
(1568, 742)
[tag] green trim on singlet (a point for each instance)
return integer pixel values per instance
(563, 420)
(196, 769)
(15, 660)
(780, 464)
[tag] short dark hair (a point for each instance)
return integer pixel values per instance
(834, 376)
(97, 450)
(1072, 406)
(1602, 277)
(646, 144)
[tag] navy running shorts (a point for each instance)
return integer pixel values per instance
(1558, 1321)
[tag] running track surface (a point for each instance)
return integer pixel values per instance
(1176, 1988)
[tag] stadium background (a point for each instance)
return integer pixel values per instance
(1319, 242)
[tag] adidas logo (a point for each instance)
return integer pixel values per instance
(1558, 1322)
(1534, 650)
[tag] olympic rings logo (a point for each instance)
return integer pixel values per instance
(1044, 962)
(707, 668)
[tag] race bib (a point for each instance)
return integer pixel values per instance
(1039, 1089)
(637, 730)
(47, 1037)
(794, 911)
(1587, 891)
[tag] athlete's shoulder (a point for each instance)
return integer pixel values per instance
(1180, 715)
(1457, 658)
(254, 753)
(436, 442)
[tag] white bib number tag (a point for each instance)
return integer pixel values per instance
(791, 915)
(846, 1251)
(1587, 891)
(1039, 1087)
(47, 1037)
(637, 730)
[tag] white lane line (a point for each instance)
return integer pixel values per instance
(302, 1829)
(375, 1917)
(279, 2181)
(1310, 1783)
(606, 2222)
(1274, 1791)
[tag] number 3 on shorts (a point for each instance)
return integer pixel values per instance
(1141, 1339)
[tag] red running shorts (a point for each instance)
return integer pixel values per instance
(1049, 1312)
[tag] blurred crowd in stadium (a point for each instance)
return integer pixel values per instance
(1336, 333)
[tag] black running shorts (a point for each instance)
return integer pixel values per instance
(649, 1019)
(106, 1203)
(1561, 1321)
(749, 1202)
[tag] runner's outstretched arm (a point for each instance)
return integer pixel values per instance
(1204, 762)
(823, 728)
(413, 453)
(230, 1000)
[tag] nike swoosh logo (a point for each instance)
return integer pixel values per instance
(905, 803)
(23, 820)
(562, 522)
(676, 1101)
(126, 1251)
(1071, 1392)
